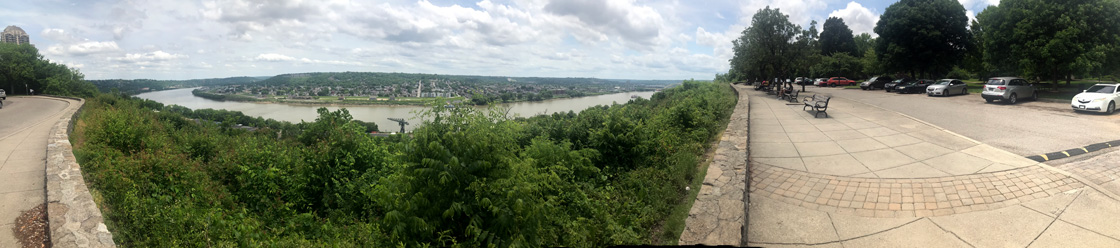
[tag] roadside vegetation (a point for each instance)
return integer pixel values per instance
(468, 177)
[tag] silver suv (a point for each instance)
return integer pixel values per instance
(3, 95)
(1008, 89)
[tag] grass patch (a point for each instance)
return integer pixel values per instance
(852, 87)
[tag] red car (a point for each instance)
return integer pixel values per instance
(839, 81)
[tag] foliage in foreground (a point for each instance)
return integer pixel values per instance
(468, 177)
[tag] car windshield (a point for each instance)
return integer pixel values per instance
(1101, 89)
(996, 82)
(944, 82)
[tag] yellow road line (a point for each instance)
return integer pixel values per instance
(1066, 153)
(1044, 158)
(1086, 150)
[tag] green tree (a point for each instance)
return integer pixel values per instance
(1051, 39)
(869, 63)
(807, 45)
(839, 64)
(766, 49)
(922, 37)
(863, 43)
(974, 59)
(836, 37)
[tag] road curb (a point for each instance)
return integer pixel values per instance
(73, 217)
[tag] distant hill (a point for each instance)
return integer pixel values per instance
(354, 79)
(135, 86)
(351, 79)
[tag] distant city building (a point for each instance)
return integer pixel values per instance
(13, 34)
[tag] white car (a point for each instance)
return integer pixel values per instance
(1098, 98)
(819, 81)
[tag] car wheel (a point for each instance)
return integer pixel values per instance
(1014, 99)
(1111, 108)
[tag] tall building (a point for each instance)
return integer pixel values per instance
(13, 34)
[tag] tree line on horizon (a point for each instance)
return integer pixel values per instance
(1037, 39)
(23, 69)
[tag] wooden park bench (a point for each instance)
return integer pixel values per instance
(818, 102)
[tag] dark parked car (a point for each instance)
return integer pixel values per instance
(917, 86)
(875, 82)
(890, 86)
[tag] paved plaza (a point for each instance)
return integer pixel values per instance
(869, 177)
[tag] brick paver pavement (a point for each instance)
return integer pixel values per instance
(919, 197)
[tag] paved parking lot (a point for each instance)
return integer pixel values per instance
(881, 171)
(1027, 128)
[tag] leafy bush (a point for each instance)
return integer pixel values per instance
(959, 73)
(467, 177)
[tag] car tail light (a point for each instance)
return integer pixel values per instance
(1002, 88)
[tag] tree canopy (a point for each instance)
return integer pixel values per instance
(1050, 39)
(23, 68)
(922, 37)
(836, 37)
(766, 49)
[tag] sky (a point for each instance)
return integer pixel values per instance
(612, 39)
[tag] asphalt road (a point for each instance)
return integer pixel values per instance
(1027, 128)
(19, 113)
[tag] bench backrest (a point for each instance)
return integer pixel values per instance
(821, 98)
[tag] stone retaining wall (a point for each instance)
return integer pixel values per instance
(74, 219)
(718, 215)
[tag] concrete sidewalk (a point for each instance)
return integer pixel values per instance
(23, 149)
(865, 176)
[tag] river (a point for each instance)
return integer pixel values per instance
(375, 113)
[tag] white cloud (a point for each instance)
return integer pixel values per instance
(83, 48)
(157, 56)
(58, 35)
(639, 25)
(858, 18)
(969, 4)
(581, 38)
(703, 37)
(801, 12)
(272, 57)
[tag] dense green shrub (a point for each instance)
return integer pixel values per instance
(467, 177)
